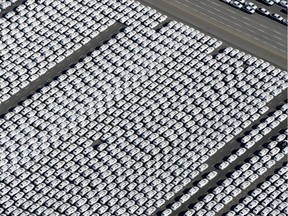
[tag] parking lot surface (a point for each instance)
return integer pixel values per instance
(59, 69)
(122, 108)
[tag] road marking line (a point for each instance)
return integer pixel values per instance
(237, 18)
(217, 9)
(224, 29)
(250, 30)
(215, 4)
(277, 37)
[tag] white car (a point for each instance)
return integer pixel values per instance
(208, 198)
(283, 3)
(235, 192)
(190, 212)
(232, 158)
(217, 44)
(211, 175)
(202, 183)
(261, 171)
(176, 205)
(244, 185)
(199, 205)
(228, 189)
(226, 51)
(281, 138)
(252, 5)
(223, 165)
(218, 207)
(240, 151)
(227, 199)
(248, 9)
(236, 4)
(268, 2)
(263, 11)
(276, 17)
(167, 212)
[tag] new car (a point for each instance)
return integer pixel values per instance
(236, 4)
(263, 11)
(276, 17)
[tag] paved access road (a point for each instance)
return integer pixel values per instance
(255, 33)
(256, 26)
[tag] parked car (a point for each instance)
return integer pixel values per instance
(263, 11)
(248, 9)
(236, 4)
(276, 17)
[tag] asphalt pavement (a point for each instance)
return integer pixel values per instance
(256, 26)
(255, 33)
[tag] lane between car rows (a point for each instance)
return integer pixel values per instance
(59, 68)
(222, 174)
(253, 186)
(223, 153)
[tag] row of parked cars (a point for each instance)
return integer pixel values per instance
(282, 3)
(257, 134)
(251, 8)
(241, 178)
(129, 126)
(268, 199)
(38, 35)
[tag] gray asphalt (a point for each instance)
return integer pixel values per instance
(14, 100)
(256, 26)
(255, 33)
(224, 152)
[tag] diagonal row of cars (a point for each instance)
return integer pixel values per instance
(282, 3)
(251, 8)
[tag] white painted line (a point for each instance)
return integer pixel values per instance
(235, 23)
(221, 11)
(227, 25)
